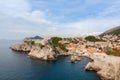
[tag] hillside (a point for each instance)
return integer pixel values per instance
(114, 31)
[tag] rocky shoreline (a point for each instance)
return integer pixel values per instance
(107, 67)
(21, 47)
(43, 49)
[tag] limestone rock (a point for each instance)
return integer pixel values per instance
(21, 47)
(40, 48)
(74, 58)
(117, 76)
(106, 66)
(45, 53)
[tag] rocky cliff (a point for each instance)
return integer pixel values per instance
(44, 52)
(107, 67)
(21, 47)
(45, 49)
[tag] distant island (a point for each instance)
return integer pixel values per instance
(103, 49)
(36, 37)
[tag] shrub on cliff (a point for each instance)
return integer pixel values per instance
(113, 51)
(41, 46)
(55, 43)
(32, 42)
(29, 42)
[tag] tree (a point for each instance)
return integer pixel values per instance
(91, 38)
(55, 43)
(55, 40)
(32, 42)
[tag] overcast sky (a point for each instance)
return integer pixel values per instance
(65, 18)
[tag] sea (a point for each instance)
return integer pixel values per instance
(19, 66)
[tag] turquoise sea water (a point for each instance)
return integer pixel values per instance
(18, 66)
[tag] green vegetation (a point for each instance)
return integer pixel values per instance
(100, 48)
(116, 32)
(92, 38)
(41, 46)
(32, 42)
(55, 43)
(29, 42)
(112, 32)
(113, 51)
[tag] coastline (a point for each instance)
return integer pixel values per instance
(106, 66)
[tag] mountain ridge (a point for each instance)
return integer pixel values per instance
(113, 31)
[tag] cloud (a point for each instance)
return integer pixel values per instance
(112, 10)
(95, 25)
(14, 7)
(21, 18)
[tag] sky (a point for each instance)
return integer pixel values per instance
(64, 18)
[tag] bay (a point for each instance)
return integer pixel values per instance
(19, 66)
